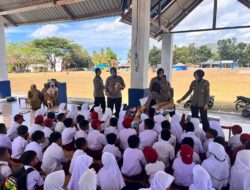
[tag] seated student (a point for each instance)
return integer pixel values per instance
(198, 131)
(216, 125)
(158, 119)
(148, 137)
(110, 147)
(4, 139)
(189, 132)
(60, 125)
(73, 113)
(176, 128)
(190, 142)
(165, 151)
(183, 167)
(133, 159)
(68, 134)
(81, 146)
(55, 180)
(234, 141)
(38, 125)
(211, 134)
(5, 170)
(83, 129)
(85, 111)
(113, 126)
(52, 116)
(217, 165)
(82, 164)
(20, 143)
(243, 139)
(166, 125)
(141, 125)
(62, 108)
(88, 180)
(160, 181)
(153, 165)
(221, 141)
(54, 156)
(109, 176)
(79, 118)
(126, 132)
(12, 132)
(48, 125)
(37, 139)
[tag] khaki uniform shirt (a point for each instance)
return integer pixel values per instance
(110, 87)
(201, 93)
(98, 87)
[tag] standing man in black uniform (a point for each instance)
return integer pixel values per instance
(98, 90)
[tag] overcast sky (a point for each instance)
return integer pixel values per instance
(109, 32)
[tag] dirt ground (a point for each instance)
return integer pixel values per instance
(226, 84)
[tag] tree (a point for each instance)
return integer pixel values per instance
(227, 49)
(110, 56)
(155, 56)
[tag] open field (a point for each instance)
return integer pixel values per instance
(225, 84)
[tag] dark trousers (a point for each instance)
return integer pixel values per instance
(117, 102)
(195, 114)
(100, 101)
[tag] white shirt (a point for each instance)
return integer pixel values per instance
(147, 138)
(76, 154)
(165, 151)
(52, 158)
(205, 144)
(47, 132)
(34, 128)
(68, 135)
(37, 148)
(172, 140)
(59, 127)
(33, 179)
(113, 150)
(5, 141)
(234, 142)
(152, 168)
(12, 132)
(183, 173)
(96, 140)
(158, 129)
(5, 169)
(198, 148)
(109, 130)
(18, 147)
(123, 135)
(81, 134)
(133, 159)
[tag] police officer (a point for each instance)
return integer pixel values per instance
(98, 90)
(201, 94)
(113, 87)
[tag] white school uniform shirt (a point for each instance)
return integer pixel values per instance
(205, 144)
(37, 148)
(234, 142)
(52, 158)
(47, 132)
(81, 134)
(18, 147)
(183, 173)
(68, 135)
(75, 155)
(12, 131)
(34, 128)
(111, 148)
(165, 151)
(141, 125)
(157, 129)
(5, 169)
(152, 168)
(172, 140)
(198, 148)
(123, 136)
(5, 141)
(147, 138)
(59, 127)
(96, 140)
(109, 130)
(133, 159)
(33, 179)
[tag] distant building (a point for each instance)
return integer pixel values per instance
(125, 66)
(218, 64)
(37, 68)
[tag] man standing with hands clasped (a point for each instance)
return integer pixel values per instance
(201, 93)
(98, 90)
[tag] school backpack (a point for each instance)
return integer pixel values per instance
(17, 180)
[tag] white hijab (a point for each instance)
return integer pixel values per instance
(120, 120)
(106, 118)
(73, 112)
(161, 181)
(240, 170)
(216, 126)
(81, 165)
(110, 177)
(61, 108)
(176, 128)
(88, 181)
(41, 111)
(201, 179)
(198, 130)
(55, 181)
(85, 111)
(158, 119)
(217, 165)
(247, 182)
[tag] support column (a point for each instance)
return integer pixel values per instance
(167, 55)
(4, 82)
(139, 51)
